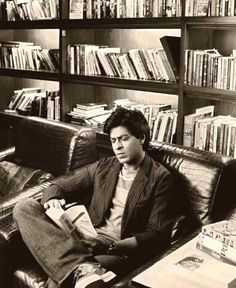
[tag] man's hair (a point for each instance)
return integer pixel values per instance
(133, 120)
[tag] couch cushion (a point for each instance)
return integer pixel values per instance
(15, 177)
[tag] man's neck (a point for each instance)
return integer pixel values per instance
(134, 166)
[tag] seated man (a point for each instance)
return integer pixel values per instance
(131, 209)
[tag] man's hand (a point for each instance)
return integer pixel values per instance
(56, 203)
(97, 246)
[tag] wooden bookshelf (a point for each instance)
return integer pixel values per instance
(142, 85)
(195, 33)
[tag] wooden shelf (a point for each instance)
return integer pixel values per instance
(31, 74)
(122, 23)
(142, 85)
(210, 93)
(28, 24)
(211, 22)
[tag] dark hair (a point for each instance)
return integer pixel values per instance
(133, 120)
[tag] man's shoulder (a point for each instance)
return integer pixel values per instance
(159, 168)
(108, 161)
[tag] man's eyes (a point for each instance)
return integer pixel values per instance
(123, 138)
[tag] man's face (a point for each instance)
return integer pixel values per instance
(127, 148)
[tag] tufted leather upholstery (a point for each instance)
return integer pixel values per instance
(206, 180)
(205, 187)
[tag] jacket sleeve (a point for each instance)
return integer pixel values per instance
(157, 233)
(76, 181)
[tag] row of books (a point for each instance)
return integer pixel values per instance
(216, 134)
(210, 8)
(35, 102)
(89, 114)
(208, 68)
(160, 117)
(219, 240)
(12, 10)
(26, 55)
(87, 9)
(147, 64)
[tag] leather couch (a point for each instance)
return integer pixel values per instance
(206, 193)
(43, 150)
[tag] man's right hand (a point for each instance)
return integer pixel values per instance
(56, 203)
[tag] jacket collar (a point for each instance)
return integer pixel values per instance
(136, 190)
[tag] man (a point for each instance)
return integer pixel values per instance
(131, 209)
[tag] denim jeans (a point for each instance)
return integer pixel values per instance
(57, 252)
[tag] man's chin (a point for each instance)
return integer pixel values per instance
(122, 159)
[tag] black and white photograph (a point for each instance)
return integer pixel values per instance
(117, 143)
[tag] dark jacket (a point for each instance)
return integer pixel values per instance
(149, 209)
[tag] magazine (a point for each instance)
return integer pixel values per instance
(73, 218)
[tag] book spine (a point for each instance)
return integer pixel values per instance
(216, 249)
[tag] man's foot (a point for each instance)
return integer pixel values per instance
(91, 275)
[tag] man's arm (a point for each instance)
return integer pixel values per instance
(157, 233)
(126, 246)
(62, 186)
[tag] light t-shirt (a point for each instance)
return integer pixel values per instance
(112, 226)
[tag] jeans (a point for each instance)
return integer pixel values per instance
(57, 252)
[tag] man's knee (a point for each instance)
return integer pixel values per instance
(24, 206)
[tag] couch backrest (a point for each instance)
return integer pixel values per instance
(206, 181)
(53, 146)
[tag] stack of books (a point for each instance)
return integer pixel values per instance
(81, 9)
(216, 134)
(208, 68)
(35, 102)
(89, 114)
(161, 118)
(12, 10)
(145, 64)
(27, 56)
(219, 240)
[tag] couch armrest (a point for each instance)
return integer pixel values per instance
(7, 226)
(7, 154)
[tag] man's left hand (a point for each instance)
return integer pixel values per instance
(97, 246)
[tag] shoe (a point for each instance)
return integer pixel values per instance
(91, 275)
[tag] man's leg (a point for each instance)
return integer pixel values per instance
(57, 252)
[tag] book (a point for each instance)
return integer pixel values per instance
(171, 45)
(90, 106)
(188, 267)
(221, 250)
(73, 218)
(222, 231)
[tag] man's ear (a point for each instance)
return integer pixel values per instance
(142, 139)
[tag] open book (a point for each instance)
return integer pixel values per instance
(73, 218)
(188, 267)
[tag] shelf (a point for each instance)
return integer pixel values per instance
(143, 85)
(31, 74)
(30, 24)
(210, 93)
(122, 23)
(211, 22)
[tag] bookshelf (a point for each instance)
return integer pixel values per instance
(127, 33)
